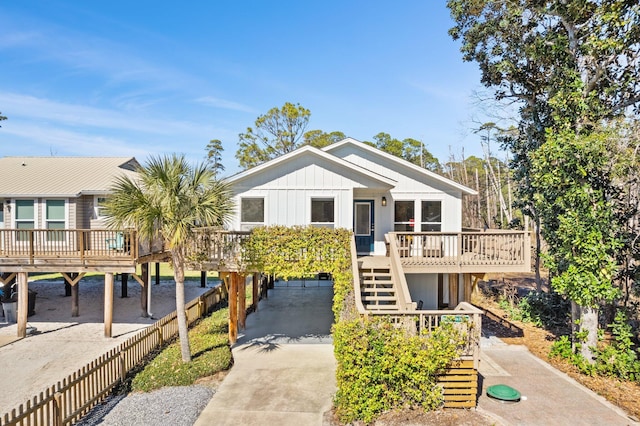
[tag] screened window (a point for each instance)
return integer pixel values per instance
(252, 210)
(322, 212)
(25, 218)
(55, 219)
(404, 216)
(431, 216)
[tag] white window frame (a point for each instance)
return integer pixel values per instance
(411, 222)
(430, 223)
(97, 210)
(65, 220)
(14, 207)
(14, 217)
(247, 226)
(322, 198)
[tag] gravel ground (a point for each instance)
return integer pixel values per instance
(180, 405)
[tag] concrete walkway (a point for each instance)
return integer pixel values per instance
(284, 374)
(549, 397)
(284, 368)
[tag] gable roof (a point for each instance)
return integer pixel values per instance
(400, 161)
(306, 151)
(61, 176)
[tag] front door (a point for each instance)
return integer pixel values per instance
(363, 225)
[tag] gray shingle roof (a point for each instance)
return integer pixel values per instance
(61, 176)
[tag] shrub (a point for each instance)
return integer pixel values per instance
(381, 367)
(549, 310)
(619, 359)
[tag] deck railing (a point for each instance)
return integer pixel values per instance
(214, 248)
(67, 401)
(498, 249)
(32, 244)
(465, 317)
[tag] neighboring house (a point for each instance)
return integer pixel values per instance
(380, 197)
(57, 192)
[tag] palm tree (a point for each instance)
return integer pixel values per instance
(168, 199)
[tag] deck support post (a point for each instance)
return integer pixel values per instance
(242, 301)
(144, 290)
(233, 308)
(23, 303)
(256, 288)
(440, 291)
(75, 297)
(108, 303)
(466, 279)
(453, 291)
(124, 280)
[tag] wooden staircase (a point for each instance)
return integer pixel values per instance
(377, 289)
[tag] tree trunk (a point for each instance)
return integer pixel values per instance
(183, 330)
(537, 259)
(588, 326)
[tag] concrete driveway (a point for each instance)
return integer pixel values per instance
(284, 368)
(284, 373)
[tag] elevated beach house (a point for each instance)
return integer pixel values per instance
(51, 221)
(407, 221)
(413, 260)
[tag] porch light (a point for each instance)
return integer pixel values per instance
(384, 201)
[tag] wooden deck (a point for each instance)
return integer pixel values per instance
(74, 250)
(464, 252)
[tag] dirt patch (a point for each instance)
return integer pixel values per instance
(213, 381)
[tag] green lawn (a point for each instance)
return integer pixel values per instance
(211, 353)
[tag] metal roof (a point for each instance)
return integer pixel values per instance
(61, 176)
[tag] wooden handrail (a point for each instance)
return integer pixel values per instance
(356, 277)
(398, 277)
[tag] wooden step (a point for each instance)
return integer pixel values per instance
(380, 298)
(382, 308)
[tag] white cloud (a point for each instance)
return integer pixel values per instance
(30, 107)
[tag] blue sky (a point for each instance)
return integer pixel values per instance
(134, 78)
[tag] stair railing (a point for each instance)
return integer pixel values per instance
(398, 278)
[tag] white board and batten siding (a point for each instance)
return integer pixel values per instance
(288, 190)
(413, 183)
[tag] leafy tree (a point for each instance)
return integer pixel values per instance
(167, 200)
(411, 150)
(415, 152)
(577, 197)
(277, 132)
(568, 64)
(214, 156)
(320, 139)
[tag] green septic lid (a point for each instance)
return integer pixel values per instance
(503, 392)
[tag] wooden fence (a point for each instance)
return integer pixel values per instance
(67, 401)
